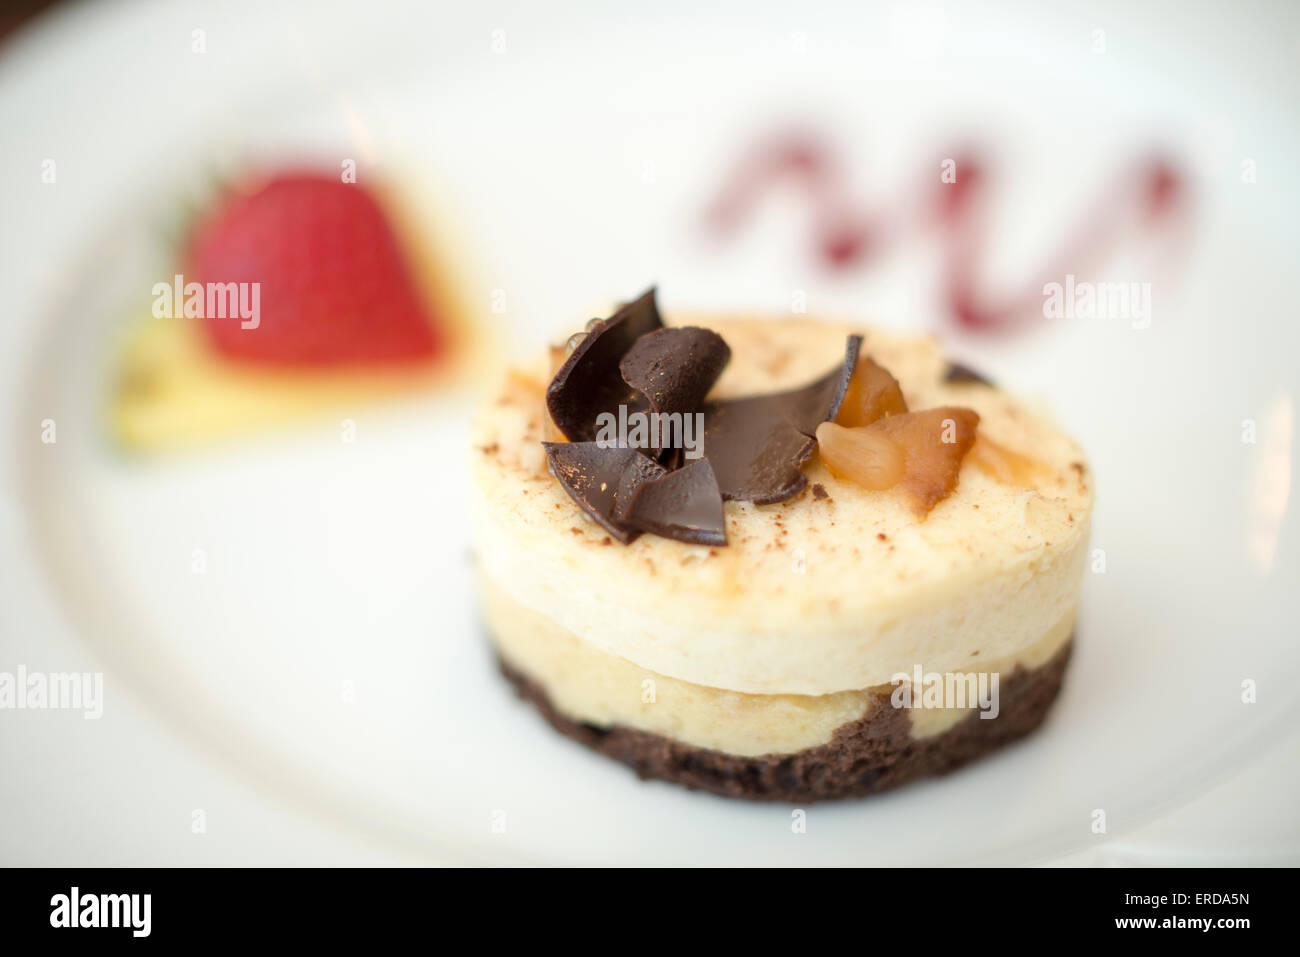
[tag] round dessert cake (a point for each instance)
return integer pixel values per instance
(889, 591)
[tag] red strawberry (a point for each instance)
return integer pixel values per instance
(334, 285)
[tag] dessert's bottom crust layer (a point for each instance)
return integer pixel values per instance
(869, 754)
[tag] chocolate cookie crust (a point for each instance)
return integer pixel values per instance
(871, 754)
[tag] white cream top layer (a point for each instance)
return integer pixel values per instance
(814, 595)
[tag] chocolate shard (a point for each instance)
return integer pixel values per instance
(603, 481)
(685, 505)
(756, 454)
(958, 373)
(757, 445)
(675, 368)
(589, 382)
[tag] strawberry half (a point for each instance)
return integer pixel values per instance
(335, 288)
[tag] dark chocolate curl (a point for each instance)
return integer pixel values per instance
(757, 445)
(603, 481)
(675, 368)
(958, 373)
(685, 505)
(590, 382)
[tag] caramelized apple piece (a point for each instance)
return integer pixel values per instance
(934, 443)
(865, 456)
(1006, 465)
(872, 394)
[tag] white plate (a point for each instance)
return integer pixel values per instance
(580, 158)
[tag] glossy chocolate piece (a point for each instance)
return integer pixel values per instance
(959, 373)
(603, 481)
(757, 445)
(675, 368)
(685, 505)
(589, 382)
